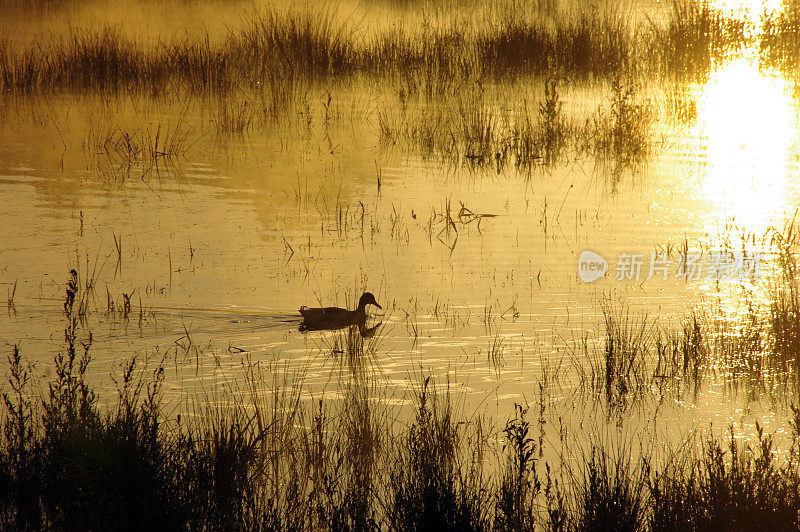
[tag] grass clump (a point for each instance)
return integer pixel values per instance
(429, 488)
(783, 312)
(620, 135)
(67, 465)
(695, 36)
(120, 152)
(784, 325)
(472, 129)
(314, 43)
(735, 487)
(613, 494)
(683, 354)
(784, 307)
(494, 43)
(546, 138)
(515, 506)
(621, 370)
(583, 44)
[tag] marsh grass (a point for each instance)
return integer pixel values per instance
(784, 325)
(266, 72)
(544, 138)
(620, 370)
(496, 353)
(731, 485)
(613, 493)
(234, 116)
(519, 484)
(752, 348)
(740, 347)
(683, 354)
(476, 130)
(277, 460)
(445, 55)
(620, 135)
(552, 123)
(153, 150)
(432, 483)
(783, 319)
(780, 41)
(316, 43)
(781, 325)
(695, 36)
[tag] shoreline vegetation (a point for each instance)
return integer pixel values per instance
(274, 460)
(481, 88)
(274, 47)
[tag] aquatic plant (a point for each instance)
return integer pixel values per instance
(619, 136)
(695, 36)
(446, 55)
(621, 370)
(429, 485)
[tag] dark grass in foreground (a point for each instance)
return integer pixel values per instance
(65, 463)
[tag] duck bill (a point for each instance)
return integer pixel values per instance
(377, 305)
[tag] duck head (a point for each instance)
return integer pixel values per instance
(367, 299)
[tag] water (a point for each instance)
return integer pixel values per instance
(476, 268)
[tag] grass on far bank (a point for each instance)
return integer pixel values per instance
(451, 50)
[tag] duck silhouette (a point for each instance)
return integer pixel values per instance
(336, 317)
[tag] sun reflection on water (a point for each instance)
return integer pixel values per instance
(746, 122)
(752, 9)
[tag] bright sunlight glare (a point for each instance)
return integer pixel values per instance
(746, 120)
(752, 9)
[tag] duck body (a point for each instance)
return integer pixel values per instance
(331, 314)
(332, 317)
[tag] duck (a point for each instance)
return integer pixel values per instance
(333, 317)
